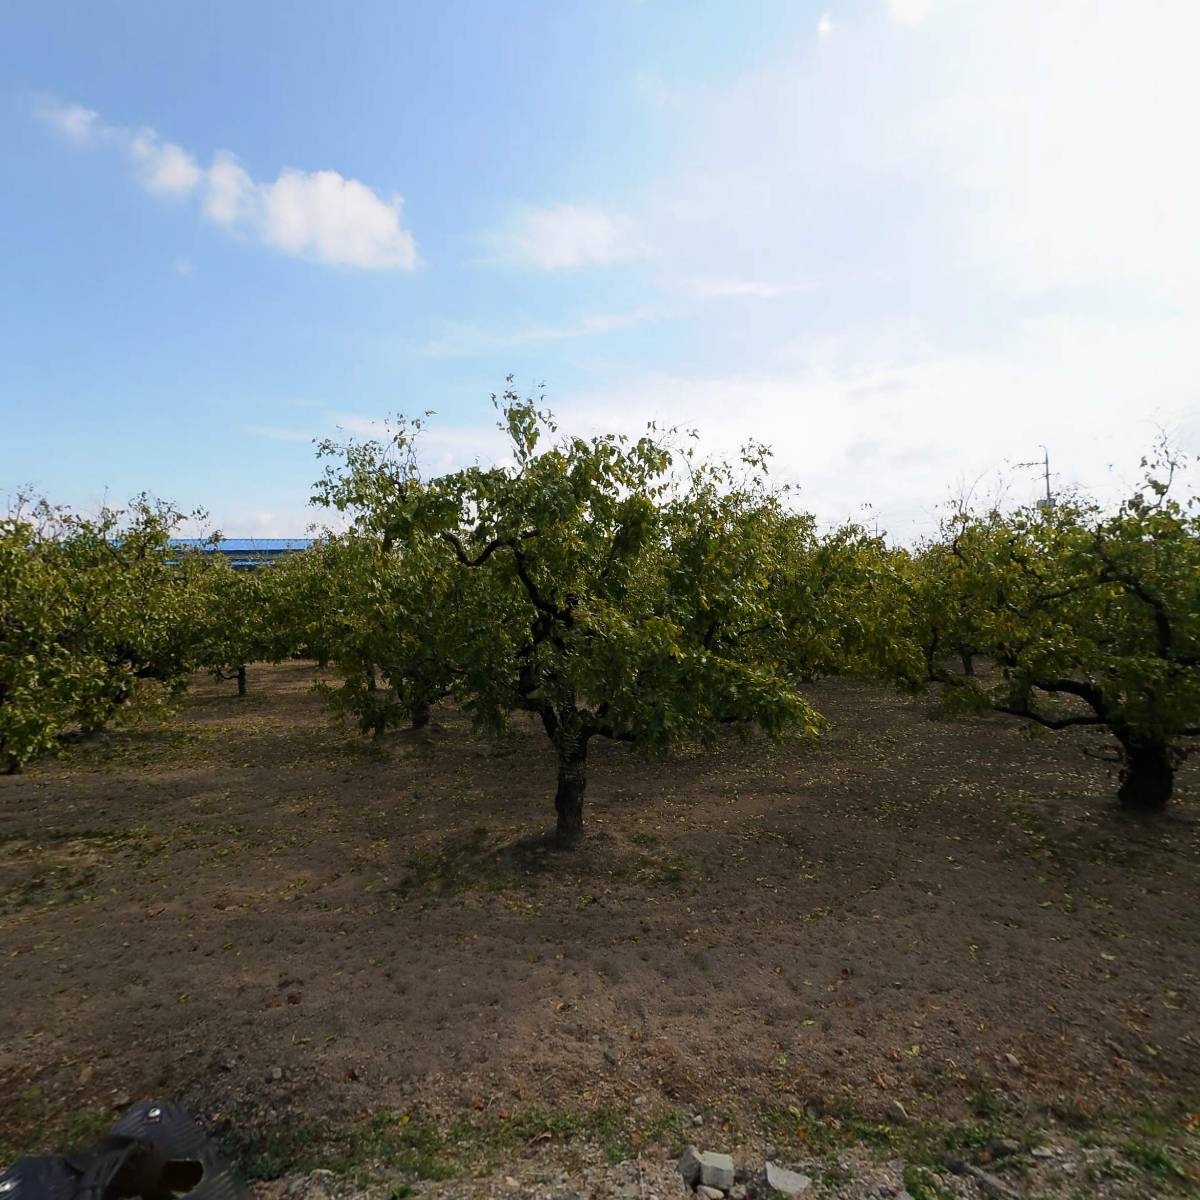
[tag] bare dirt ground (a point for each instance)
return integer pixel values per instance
(248, 907)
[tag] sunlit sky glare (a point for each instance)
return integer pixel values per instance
(905, 242)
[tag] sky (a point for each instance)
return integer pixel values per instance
(906, 243)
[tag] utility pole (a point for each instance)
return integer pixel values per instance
(1046, 464)
(1048, 503)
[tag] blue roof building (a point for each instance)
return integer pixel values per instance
(246, 553)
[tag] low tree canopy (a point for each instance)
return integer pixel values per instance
(590, 583)
(88, 607)
(621, 588)
(1092, 617)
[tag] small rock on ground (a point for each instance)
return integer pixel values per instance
(716, 1170)
(790, 1183)
(690, 1166)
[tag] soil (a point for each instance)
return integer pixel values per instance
(248, 904)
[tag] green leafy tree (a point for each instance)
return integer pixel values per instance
(44, 685)
(88, 608)
(1093, 619)
(304, 596)
(945, 615)
(234, 622)
(378, 633)
(589, 583)
(840, 601)
(395, 584)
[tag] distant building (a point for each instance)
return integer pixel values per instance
(245, 554)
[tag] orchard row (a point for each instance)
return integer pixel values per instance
(617, 588)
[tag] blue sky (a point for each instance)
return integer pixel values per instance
(903, 241)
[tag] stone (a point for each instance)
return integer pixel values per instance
(276, 1074)
(738, 1192)
(790, 1183)
(716, 1170)
(323, 1177)
(698, 1119)
(710, 1193)
(1003, 1147)
(770, 1153)
(896, 1112)
(989, 1185)
(317, 1185)
(1013, 1061)
(690, 1166)
(1042, 1152)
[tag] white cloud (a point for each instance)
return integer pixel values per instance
(294, 521)
(71, 120)
(1068, 137)
(758, 289)
(857, 423)
(163, 167)
(910, 12)
(324, 216)
(568, 235)
(319, 215)
(183, 266)
(825, 25)
(1018, 155)
(463, 340)
(279, 434)
(230, 197)
(441, 447)
(659, 92)
(905, 437)
(865, 435)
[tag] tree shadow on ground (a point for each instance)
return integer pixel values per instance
(469, 860)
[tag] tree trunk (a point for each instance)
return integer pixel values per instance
(968, 662)
(1147, 776)
(420, 715)
(568, 800)
(242, 680)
